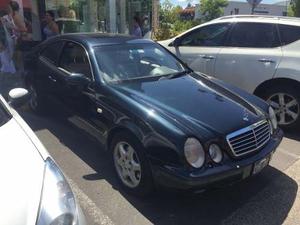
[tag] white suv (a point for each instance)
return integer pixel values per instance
(260, 54)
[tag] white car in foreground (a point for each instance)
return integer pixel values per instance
(33, 190)
(257, 53)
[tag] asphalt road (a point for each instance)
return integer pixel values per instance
(264, 199)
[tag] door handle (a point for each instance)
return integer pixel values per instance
(266, 61)
(209, 57)
(51, 78)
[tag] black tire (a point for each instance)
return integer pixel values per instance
(145, 186)
(289, 92)
(37, 102)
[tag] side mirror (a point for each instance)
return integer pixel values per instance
(176, 42)
(18, 97)
(78, 79)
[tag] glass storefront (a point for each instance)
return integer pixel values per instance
(114, 16)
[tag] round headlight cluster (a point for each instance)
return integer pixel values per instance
(273, 118)
(194, 152)
(215, 153)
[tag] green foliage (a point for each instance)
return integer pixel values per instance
(295, 5)
(211, 9)
(290, 11)
(170, 22)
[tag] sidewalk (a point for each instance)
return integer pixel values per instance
(9, 81)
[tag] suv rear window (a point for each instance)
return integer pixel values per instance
(289, 34)
(254, 35)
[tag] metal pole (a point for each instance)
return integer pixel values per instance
(253, 7)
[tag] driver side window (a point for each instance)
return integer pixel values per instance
(75, 60)
(210, 36)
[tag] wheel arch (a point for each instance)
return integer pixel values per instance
(132, 129)
(276, 81)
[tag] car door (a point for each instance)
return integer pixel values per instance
(200, 47)
(46, 70)
(251, 56)
(82, 103)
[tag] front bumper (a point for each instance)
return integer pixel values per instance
(229, 172)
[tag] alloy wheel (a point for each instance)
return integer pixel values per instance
(286, 108)
(127, 164)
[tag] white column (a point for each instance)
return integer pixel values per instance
(36, 31)
(112, 16)
(123, 16)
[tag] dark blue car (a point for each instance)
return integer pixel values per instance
(163, 123)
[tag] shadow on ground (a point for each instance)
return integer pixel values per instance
(264, 199)
(295, 135)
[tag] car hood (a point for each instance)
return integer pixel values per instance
(194, 102)
(21, 172)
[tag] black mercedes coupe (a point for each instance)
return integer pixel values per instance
(164, 124)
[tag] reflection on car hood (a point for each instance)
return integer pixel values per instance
(194, 102)
(21, 172)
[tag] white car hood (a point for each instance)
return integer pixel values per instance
(21, 173)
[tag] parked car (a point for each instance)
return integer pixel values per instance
(259, 54)
(33, 188)
(162, 123)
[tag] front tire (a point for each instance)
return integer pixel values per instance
(36, 102)
(131, 164)
(285, 101)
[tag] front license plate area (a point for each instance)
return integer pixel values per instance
(258, 166)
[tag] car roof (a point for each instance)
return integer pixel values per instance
(99, 39)
(294, 21)
(259, 19)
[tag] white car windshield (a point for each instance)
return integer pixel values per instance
(135, 61)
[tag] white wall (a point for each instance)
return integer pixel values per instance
(261, 9)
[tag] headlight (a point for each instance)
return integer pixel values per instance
(194, 152)
(273, 118)
(58, 205)
(215, 153)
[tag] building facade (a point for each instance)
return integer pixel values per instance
(235, 7)
(113, 16)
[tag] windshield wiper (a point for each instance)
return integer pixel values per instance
(178, 74)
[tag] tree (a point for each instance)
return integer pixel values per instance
(295, 4)
(170, 23)
(211, 9)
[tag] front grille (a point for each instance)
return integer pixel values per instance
(249, 139)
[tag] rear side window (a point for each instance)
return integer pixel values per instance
(289, 34)
(210, 36)
(52, 51)
(254, 35)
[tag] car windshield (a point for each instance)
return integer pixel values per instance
(4, 116)
(136, 61)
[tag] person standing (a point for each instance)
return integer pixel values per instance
(137, 31)
(51, 28)
(19, 25)
(16, 27)
(8, 43)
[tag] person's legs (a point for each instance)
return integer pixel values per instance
(7, 64)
